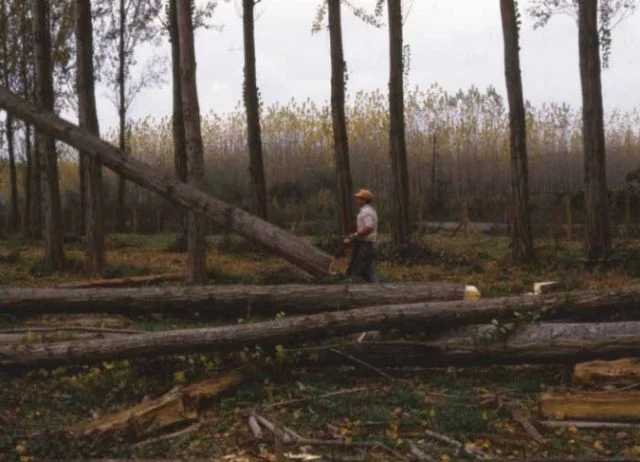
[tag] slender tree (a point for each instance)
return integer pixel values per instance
(54, 257)
(598, 233)
(88, 118)
(179, 154)
(344, 186)
(8, 70)
(397, 142)
(522, 244)
(196, 271)
(252, 107)
(124, 26)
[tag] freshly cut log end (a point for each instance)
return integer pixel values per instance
(612, 406)
(607, 372)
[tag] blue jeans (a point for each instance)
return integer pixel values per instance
(363, 261)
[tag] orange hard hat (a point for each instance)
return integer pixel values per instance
(364, 194)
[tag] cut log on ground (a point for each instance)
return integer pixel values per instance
(598, 405)
(112, 321)
(294, 249)
(434, 318)
(177, 406)
(133, 281)
(625, 370)
(235, 301)
(59, 336)
(556, 343)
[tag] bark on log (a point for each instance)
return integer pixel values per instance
(598, 405)
(432, 317)
(599, 372)
(294, 249)
(557, 343)
(233, 301)
(123, 282)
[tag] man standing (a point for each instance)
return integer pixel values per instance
(364, 254)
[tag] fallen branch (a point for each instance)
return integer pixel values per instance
(234, 301)
(288, 436)
(473, 452)
(437, 316)
(362, 363)
(170, 436)
(323, 396)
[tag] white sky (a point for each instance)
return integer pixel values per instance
(455, 43)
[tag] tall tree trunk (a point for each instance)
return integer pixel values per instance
(196, 270)
(339, 120)
(82, 168)
(35, 212)
(26, 221)
(179, 153)
(45, 98)
(32, 212)
(252, 106)
(598, 233)
(13, 217)
(522, 245)
(88, 119)
(397, 143)
(122, 117)
(6, 72)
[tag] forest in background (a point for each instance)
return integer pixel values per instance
(457, 146)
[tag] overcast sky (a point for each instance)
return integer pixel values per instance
(455, 43)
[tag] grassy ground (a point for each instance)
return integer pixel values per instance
(472, 405)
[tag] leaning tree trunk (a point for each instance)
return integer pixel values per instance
(339, 120)
(433, 318)
(397, 143)
(122, 116)
(54, 257)
(88, 117)
(197, 259)
(252, 106)
(234, 301)
(522, 244)
(179, 154)
(294, 249)
(598, 233)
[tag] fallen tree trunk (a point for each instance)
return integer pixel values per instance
(123, 282)
(48, 337)
(294, 249)
(434, 317)
(599, 405)
(235, 301)
(556, 343)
